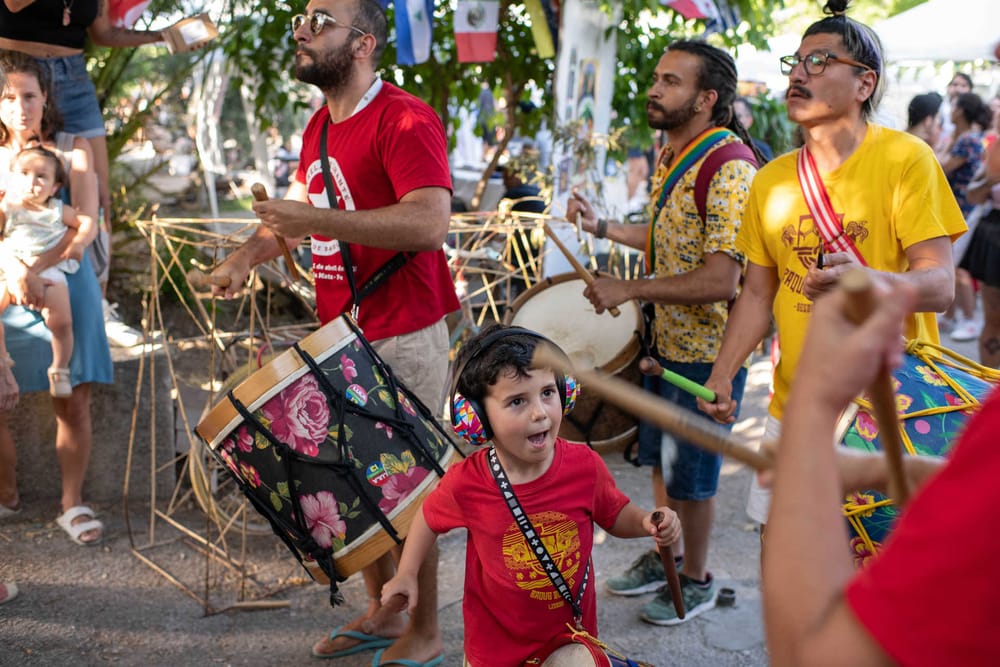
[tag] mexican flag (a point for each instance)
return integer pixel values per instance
(476, 24)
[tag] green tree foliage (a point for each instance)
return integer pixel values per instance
(258, 41)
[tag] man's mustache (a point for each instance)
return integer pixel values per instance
(801, 90)
(656, 106)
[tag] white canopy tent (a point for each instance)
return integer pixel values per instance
(942, 30)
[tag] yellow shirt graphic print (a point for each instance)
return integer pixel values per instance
(561, 538)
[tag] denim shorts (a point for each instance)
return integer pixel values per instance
(695, 471)
(75, 96)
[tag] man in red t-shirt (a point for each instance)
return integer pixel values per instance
(929, 597)
(387, 162)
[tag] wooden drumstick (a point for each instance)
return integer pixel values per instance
(650, 366)
(670, 569)
(860, 304)
(577, 266)
(661, 413)
(201, 280)
(260, 194)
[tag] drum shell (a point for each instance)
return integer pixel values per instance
(593, 421)
(936, 392)
(329, 466)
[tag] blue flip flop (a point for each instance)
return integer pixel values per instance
(367, 643)
(403, 662)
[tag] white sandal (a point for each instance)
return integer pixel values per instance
(74, 531)
(59, 384)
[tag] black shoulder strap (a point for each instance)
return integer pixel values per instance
(384, 271)
(534, 541)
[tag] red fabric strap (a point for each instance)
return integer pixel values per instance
(827, 223)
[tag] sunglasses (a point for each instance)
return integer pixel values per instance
(319, 21)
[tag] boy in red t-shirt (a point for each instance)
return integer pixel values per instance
(513, 609)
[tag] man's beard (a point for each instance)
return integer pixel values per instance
(330, 72)
(671, 119)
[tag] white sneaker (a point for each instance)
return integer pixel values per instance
(117, 331)
(965, 330)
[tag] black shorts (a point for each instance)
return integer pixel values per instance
(982, 257)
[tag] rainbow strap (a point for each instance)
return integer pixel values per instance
(696, 149)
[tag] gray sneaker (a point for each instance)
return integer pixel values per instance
(697, 598)
(645, 575)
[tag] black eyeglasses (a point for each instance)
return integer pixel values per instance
(815, 63)
(319, 21)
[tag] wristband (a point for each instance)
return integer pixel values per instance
(602, 228)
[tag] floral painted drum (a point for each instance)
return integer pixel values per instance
(936, 392)
(331, 448)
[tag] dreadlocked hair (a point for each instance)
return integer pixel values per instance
(861, 43)
(717, 71)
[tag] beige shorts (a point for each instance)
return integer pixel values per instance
(759, 499)
(420, 360)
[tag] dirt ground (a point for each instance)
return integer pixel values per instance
(116, 604)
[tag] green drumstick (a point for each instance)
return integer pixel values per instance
(650, 366)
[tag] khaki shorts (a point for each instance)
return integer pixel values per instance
(420, 360)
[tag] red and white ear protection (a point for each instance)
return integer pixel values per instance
(468, 417)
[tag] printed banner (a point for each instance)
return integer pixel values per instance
(476, 25)
(413, 31)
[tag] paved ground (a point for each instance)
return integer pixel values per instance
(102, 605)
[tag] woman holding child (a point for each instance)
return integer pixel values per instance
(28, 118)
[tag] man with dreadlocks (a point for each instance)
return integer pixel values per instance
(855, 195)
(700, 187)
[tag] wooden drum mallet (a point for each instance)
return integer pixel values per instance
(858, 287)
(260, 194)
(670, 570)
(580, 269)
(663, 414)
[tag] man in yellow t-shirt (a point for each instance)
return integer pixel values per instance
(886, 188)
(695, 269)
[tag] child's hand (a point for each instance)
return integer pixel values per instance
(404, 585)
(668, 530)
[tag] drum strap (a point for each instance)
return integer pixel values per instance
(384, 271)
(535, 541)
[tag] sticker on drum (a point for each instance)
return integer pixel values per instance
(557, 309)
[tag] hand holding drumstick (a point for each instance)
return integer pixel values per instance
(859, 305)
(260, 194)
(670, 569)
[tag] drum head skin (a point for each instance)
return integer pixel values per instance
(557, 309)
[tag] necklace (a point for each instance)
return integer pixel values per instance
(67, 11)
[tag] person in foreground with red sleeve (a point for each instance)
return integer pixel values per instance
(929, 598)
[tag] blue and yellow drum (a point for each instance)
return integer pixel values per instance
(936, 390)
